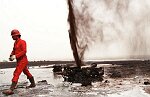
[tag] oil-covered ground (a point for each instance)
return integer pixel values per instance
(49, 84)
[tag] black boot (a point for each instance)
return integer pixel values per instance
(32, 83)
(10, 91)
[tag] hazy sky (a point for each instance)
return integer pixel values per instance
(121, 28)
(42, 23)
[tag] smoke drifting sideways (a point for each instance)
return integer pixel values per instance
(112, 29)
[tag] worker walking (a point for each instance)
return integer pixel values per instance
(19, 53)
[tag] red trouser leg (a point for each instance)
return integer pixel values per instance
(19, 68)
(27, 73)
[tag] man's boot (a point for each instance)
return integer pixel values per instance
(32, 83)
(10, 91)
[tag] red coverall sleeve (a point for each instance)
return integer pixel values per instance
(23, 48)
(13, 51)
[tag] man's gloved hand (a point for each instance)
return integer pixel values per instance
(12, 57)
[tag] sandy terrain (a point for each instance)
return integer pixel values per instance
(52, 85)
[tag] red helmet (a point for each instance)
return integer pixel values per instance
(15, 32)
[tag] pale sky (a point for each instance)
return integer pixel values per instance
(123, 24)
(42, 23)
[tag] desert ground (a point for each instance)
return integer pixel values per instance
(49, 84)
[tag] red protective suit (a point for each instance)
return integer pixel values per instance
(19, 51)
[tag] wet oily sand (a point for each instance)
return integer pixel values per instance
(49, 86)
(41, 88)
(65, 89)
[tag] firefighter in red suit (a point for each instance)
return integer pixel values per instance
(19, 53)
